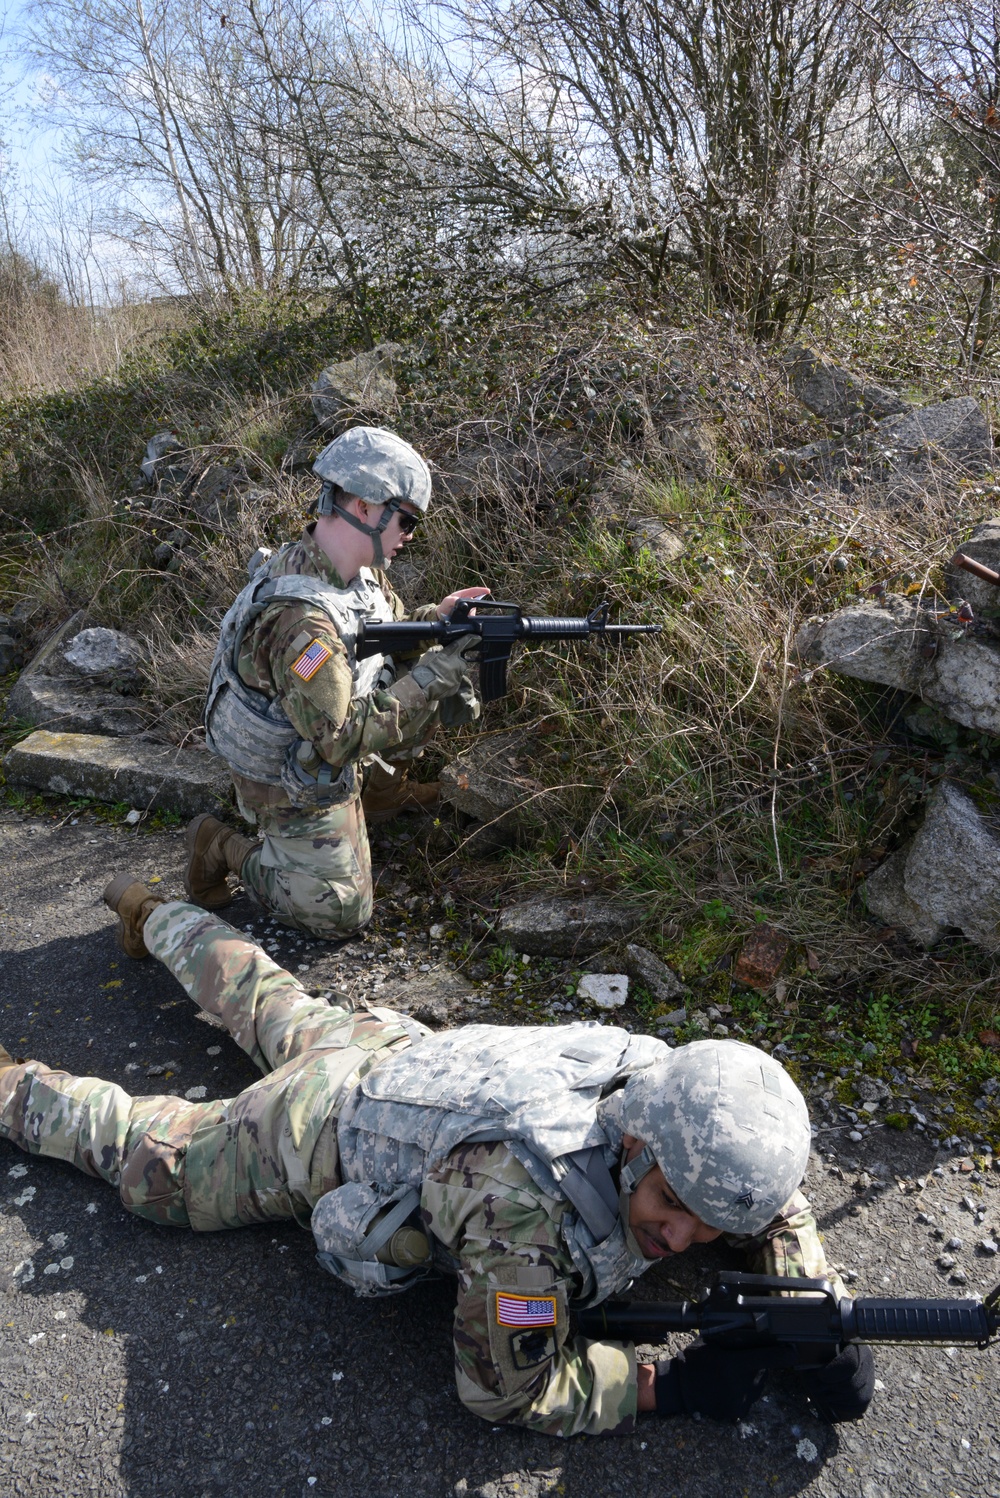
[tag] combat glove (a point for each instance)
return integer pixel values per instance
(715, 1382)
(462, 708)
(441, 672)
(842, 1389)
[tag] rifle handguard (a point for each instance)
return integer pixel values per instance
(876, 1320)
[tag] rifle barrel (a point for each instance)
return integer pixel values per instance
(408, 635)
(582, 628)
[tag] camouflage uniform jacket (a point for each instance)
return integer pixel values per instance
(342, 727)
(497, 1230)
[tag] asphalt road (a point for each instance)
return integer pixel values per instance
(142, 1360)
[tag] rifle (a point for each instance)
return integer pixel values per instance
(498, 631)
(809, 1323)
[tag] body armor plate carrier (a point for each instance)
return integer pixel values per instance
(538, 1088)
(248, 729)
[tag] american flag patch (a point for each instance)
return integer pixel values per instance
(311, 659)
(524, 1310)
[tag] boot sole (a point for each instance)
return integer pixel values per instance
(217, 896)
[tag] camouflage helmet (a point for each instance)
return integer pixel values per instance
(727, 1126)
(375, 465)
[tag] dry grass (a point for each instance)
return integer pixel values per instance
(48, 344)
(701, 774)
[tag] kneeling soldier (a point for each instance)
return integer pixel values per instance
(295, 715)
(544, 1167)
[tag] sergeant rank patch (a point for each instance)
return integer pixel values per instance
(311, 659)
(525, 1310)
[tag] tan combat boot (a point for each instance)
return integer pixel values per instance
(214, 850)
(6, 1061)
(131, 902)
(388, 795)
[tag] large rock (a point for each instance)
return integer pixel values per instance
(103, 655)
(947, 877)
(690, 446)
(906, 646)
(881, 642)
(11, 654)
(71, 707)
(646, 968)
(146, 776)
(826, 460)
(491, 782)
(982, 546)
(604, 990)
(214, 493)
(936, 443)
(656, 536)
(47, 657)
(884, 894)
(565, 928)
(904, 457)
(834, 393)
(65, 685)
(163, 451)
(364, 383)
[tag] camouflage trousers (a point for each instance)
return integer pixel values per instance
(270, 1152)
(313, 869)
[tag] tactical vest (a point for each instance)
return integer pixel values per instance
(248, 729)
(538, 1088)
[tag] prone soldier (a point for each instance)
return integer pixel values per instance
(296, 716)
(544, 1167)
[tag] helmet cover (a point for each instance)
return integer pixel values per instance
(727, 1126)
(376, 465)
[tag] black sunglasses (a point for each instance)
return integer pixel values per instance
(408, 522)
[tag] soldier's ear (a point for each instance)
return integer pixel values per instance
(630, 1141)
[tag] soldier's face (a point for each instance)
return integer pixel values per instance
(397, 533)
(658, 1218)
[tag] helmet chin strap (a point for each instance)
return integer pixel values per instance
(374, 532)
(630, 1174)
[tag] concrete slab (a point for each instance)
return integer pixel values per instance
(71, 707)
(147, 776)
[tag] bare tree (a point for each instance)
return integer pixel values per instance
(169, 115)
(936, 200)
(446, 152)
(704, 136)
